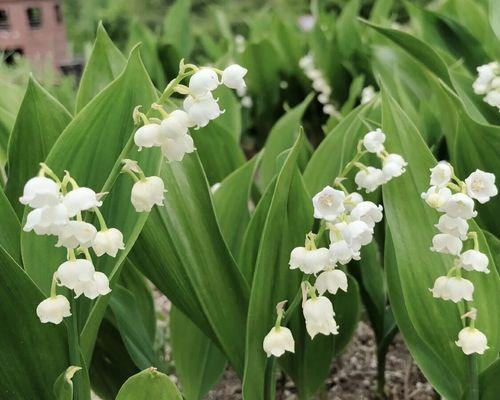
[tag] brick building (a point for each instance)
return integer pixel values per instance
(33, 28)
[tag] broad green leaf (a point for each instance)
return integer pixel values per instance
(412, 230)
(348, 35)
(63, 387)
(40, 121)
(281, 137)
(195, 269)
(288, 221)
(495, 17)
(489, 385)
(198, 362)
(11, 228)
(177, 28)
(147, 385)
(104, 65)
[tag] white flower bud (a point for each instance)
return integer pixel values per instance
(147, 192)
(108, 242)
(328, 203)
(40, 192)
(323, 98)
(277, 341)
(233, 75)
(47, 220)
(454, 289)
(394, 165)
(436, 197)
(203, 81)
(74, 273)
(202, 109)
(331, 281)
(341, 252)
(53, 309)
(352, 200)
(441, 174)
(309, 261)
(481, 186)
(319, 314)
(370, 179)
(76, 234)
(446, 244)
(374, 141)
(80, 199)
(368, 212)
(473, 260)
(472, 340)
(459, 205)
(454, 226)
(175, 149)
(367, 94)
(147, 136)
(98, 285)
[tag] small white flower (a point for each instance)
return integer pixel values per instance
(472, 340)
(331, 280)
(454, 289)
(323, 98)
(147, 192)
(76, 234)
(367, 94)
(321, 85)
(341, 252)
(233, 76)
(203, 81)
(277, 341)
(75, 273)
(246, 102)
(147, 136)
(441, 174)
(493, 98)
(394, 165)
(309, 261)
(306, 22)
(40, 192)
(473, 260)
(306, 62)
(329, 109)
(98, 285)
(175, 149)
(436, 197)
(108, 242)
(357, 234)
(374, 141)
(175, 125)
(319, 314)
(454, 226)
(368, 212)
(486, 74)
(352, 200)
(446, 244)
(80, 199)
(47, 220)
(481, 186)
(370, 179)
(328, 203)
(53, 309)
(459, 205)
(202, 109)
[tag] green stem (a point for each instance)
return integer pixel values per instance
(472, 372)
(100, 217)
(170, 89)
(270, 379)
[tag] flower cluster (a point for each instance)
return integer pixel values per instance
(488, 83)
(58, 211)
(455, 199)
(350, 221)
(319, 83)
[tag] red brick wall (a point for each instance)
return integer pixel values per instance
(44, 43)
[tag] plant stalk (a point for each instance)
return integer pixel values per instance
(473, 388)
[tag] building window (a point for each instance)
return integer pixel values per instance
(58, 12)
(4, 20)
(34, 16)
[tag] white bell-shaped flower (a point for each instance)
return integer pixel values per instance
(368, 212)
(481, 186)
(53, 309)
(203, 81)
(441, 174)
(47, 220)
(374, 141)
(474, 260)
(318, 313)
(76, 234)
(233, 76)
(472, 340)
(147, 136)
(108, 241)
(493, 98)
(459, 205)
(40, 191)
(370, 178)
(352, 200)
(175, 149)
(331, 281)
(98, 285)
(436, 197)
(486, 73)
(202, 109)
(147, 192)
(394, 166)
(341, 252)
(175, 125)
(80, 199)
(74, 273)
(357, 234)
(309, 261)
(277, 341)
(454, 226)
(446, 244)
(328, 203)
(367, 94)
(454, 289)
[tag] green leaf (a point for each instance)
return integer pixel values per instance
(198, 362)
(489, 385)
(495, 17)
(63, 387)
(147, 385)
(11, 229)
(104, 65)
(40, 121)
(288, 221)
(348, 35)
(177, 28)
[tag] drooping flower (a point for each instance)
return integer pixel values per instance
(233, 76)
(374, 141)
(203, 81)
(277, 341)
(175, 149)
(454, 226)
(436, 197)
(459, 205)
(108, 241)
(368, 212)
(370, 178)
(486, 74)
(367, 94)
(473, 260)
(328, 203)
(53, 309)
(80, 199)
(309, 261)
(147, 192)
(97, 286)
(394, 166)
(454, 289)
(357, 234)
(48, 220)
(472, 340)
(331, 281)
(446, 244)
(73, 274)
(352, 200)
(40, 191)
(147, 136)
(441, 174)
(481, 186)
(202, 109)
(341, 252)
(319, 316)
(76, 234)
